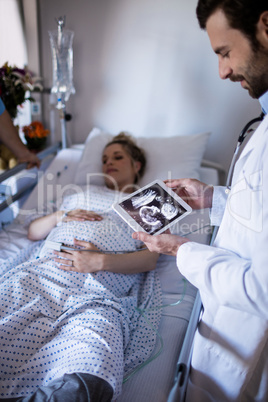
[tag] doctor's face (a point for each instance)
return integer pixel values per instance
(118, 164)
(238, 61)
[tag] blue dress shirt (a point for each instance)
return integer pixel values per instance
(264, 102)
(2, 106)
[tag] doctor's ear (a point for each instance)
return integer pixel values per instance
(262, 29)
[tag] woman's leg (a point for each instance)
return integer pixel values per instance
(76, 387)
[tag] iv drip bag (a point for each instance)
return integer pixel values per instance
(61, 42)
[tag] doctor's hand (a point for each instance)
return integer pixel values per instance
(165, 243)
(80, 260)
(195, 193)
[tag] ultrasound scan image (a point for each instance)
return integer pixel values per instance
(153, 208)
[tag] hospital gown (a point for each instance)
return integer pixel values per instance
(55, 322)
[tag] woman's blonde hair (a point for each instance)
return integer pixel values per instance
(136, 153)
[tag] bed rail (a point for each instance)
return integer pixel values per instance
(9, 199)
(220, 169)
(41, 155)
(178, 392)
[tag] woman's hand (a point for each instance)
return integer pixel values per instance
(81, 215)
(197, 194)
(80, 261)
(96, 260)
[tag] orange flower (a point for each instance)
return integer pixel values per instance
(35, 130)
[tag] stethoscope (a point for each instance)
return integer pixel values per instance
(246, 130)
(242, 136)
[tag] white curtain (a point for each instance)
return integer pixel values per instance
(12, 40)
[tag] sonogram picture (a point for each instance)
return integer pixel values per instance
(153, 208)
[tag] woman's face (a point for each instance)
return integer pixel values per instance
(117, 164)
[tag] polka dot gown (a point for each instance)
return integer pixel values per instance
(55, 322)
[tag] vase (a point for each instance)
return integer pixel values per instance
(36, 144)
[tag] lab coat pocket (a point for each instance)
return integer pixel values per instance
(235, 345)
(245, 201)
(254, 181)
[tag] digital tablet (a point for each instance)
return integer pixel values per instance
(153, 208)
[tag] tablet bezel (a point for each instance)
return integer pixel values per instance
(168, 192)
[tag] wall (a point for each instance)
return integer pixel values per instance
(146, 67)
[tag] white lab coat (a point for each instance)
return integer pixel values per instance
(230, 355)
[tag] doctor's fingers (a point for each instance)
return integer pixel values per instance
(161, 244)
(189, 186)
(184, 188)
(153, 243)
(196, 193)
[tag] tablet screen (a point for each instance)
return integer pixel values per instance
(153, 208)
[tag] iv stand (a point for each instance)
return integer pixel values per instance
(61, 103)
(62, 114)
(62, 61)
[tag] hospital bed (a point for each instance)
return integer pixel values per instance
(163, 377)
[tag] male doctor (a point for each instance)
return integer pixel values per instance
(230, 352)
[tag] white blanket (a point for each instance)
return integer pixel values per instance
(54, 322)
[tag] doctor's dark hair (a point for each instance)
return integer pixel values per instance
(136, 153)
(242, 15)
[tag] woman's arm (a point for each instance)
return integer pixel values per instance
(41, 227)
(95, 260)
(130, 263)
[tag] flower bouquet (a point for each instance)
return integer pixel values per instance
(35, 135)
(14, 85)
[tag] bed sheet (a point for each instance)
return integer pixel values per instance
(62, 322)
(154, 380)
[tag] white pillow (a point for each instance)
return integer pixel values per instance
(91, 161)
(167, 157)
